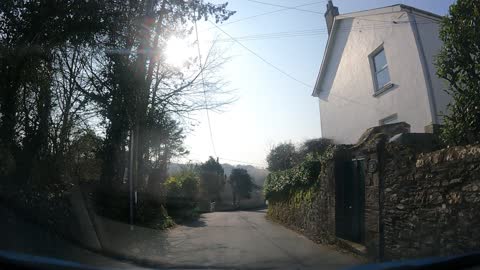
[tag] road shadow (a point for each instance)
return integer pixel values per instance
(200, 222)
(262, 210)
(246, 209)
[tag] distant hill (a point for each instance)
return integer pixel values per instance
(258, 174)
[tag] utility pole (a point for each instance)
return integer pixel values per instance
(133, 172)
(130, 176)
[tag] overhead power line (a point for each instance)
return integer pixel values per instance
(268, 13)
(204, 91)
(260, 57)
(310, 32)
(290, 76)
(286, 7)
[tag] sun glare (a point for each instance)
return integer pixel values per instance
(178, 51)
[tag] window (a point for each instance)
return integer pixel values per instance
(380, 66)
(389, 120)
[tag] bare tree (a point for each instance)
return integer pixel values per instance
(133, 84)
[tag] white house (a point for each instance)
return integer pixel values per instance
(378, 68)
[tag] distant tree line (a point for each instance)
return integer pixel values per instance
(201, 184)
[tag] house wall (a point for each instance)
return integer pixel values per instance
(428, 29)
(347, 89)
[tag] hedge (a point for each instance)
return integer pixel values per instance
(300, 176)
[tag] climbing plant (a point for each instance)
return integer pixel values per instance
(301, 176)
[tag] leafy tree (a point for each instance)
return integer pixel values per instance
(242, 184)
(30, 33)
(133, 85)
(314, 146)
(281, 157)
(166, 141)
(85, 153)
(62, 60)
(68, 65)
(212, 179)
(183, 185)
(458, 63)
(182, 195)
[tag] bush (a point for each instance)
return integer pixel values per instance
(182, 195)
(149, 211)
(457, 63)
(47, 204)
(182, 185)
(316, 147)
(303, 175)
(282, 157)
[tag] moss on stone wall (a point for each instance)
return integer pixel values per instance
(309, 208)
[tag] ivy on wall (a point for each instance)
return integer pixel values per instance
(301, 176)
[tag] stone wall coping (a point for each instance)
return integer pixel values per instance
(448, 154)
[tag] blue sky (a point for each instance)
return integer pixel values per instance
(271, 107)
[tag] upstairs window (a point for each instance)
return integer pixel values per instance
(380, 66)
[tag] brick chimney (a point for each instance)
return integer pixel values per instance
(330, 14)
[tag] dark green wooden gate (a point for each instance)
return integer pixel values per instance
(350, 200)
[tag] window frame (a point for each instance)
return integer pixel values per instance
(377, 88)
(391, 117)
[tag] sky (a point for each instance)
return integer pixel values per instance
(274, 102)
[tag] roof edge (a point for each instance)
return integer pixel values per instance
(421, 11)
(362, 13)
(316, 90)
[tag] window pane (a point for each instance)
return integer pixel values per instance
(380, 60)
(383, 77)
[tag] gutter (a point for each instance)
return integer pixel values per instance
(316, 91)
(426, 70)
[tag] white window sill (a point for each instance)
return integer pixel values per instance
(384, 89)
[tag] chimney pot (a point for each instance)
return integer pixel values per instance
(330, 14)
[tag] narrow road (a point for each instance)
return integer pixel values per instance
(245, 239)
(222, 240)
(241, 240)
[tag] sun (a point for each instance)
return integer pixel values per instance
(178, 51)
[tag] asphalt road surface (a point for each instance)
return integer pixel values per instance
(221, 240)
(246, 239)
(21, 237)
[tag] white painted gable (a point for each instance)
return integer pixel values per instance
(345, 84)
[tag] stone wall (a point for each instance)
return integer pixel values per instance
(417, 202)
(432, 201)
(310, 211)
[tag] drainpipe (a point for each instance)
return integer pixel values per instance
(426, 70)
